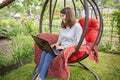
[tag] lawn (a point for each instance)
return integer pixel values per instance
(108, 68)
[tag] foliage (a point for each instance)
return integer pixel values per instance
(116, 21)
(4, 23)
(3, 32)
(18, 28)
(12, 23)
(109, 2)
(5, 59)
(26, 6)
(12, 27)
(15, 31)
(28, 26)
(4, 12)
(21, 48)
(105, 47)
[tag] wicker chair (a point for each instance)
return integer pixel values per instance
(92, 32)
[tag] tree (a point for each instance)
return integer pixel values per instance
(5, 3)
(26, 6)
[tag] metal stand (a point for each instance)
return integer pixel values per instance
(93, 73)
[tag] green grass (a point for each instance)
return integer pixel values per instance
(108, 69)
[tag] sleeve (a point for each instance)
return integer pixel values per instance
(78, 32)
(59, 38)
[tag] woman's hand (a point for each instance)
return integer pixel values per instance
(53, 45)
(56, 44)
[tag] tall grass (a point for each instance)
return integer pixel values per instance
(21, 47)
(5, 59)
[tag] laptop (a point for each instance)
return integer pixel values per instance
(44, 45)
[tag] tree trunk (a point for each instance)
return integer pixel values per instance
(5, 3)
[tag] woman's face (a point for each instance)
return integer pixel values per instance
(63, 17)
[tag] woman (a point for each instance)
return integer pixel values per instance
(69, 35)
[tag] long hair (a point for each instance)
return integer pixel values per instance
(70, 17)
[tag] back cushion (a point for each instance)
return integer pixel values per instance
(92, 30)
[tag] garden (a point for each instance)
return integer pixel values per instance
(20, 19)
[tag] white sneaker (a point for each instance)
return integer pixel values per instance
(38, 78)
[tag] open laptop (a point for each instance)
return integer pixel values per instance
(43, 44)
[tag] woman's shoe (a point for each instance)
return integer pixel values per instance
(38, 78)
(35, 76)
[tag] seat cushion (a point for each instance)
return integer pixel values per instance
(92, 30)
(91, 36)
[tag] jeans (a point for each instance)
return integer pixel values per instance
(44, 63)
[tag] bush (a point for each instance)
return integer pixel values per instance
(116, 21)
(105, 47)
(4, 23)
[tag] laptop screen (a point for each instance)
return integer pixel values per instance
(43, 44)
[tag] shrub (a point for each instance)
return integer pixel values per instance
(4, 23)
(105, 47)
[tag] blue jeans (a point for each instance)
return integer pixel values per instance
(44, 63)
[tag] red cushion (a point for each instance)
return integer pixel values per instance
(91, 36)
(92, 23)
(77, 56)
(92, 30)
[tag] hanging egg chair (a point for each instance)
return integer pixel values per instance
(92, 32)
